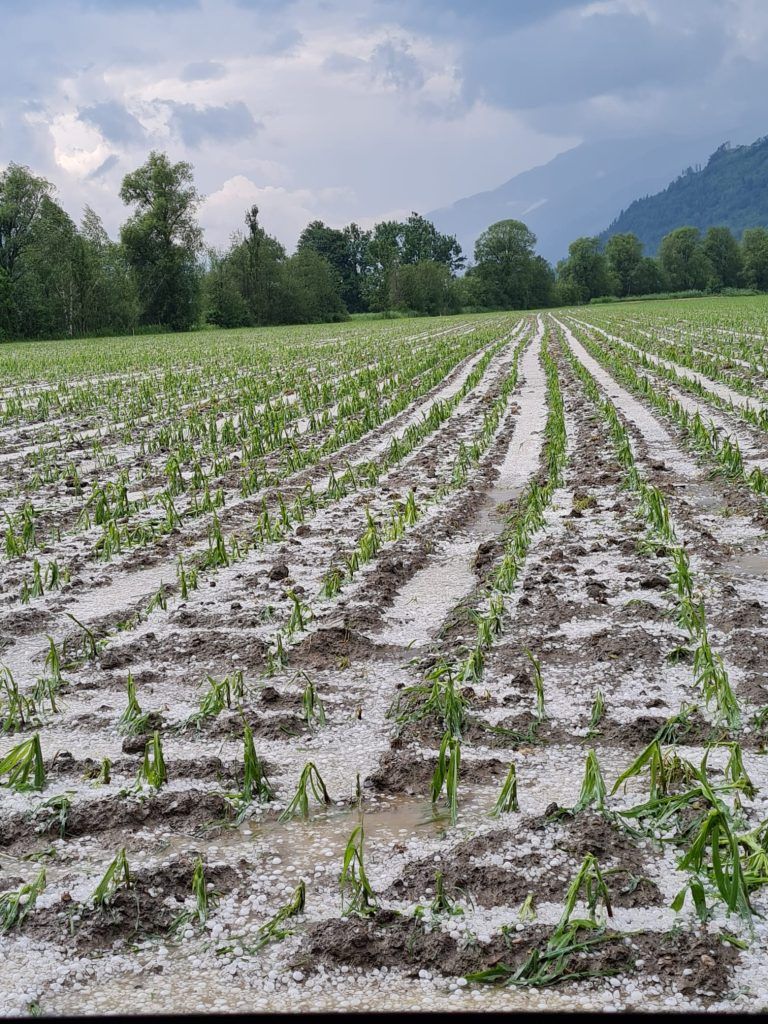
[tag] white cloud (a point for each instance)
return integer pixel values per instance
(283, 212)
(339, 115)
(78, 148)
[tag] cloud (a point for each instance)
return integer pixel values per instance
(114, 122)
(480, 17)
(394, 63)
(394, 105)
(231, 122)
(203, 71)
(283, 212)
(284, 42)
(599, 67)
(268, 6)
(343, 63)
(161, 6)
(612, 52)
(104, 168)
(103, 6)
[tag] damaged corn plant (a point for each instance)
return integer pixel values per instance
(495, 581)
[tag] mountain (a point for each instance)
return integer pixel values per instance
(731, 190)
(576, 193)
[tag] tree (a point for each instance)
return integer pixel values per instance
(722, 251)
(336, 247)
(382, 255)
(55, 279)
(542, 283)
(425, 287)
(754, 248)
(242, 287)
(7, 306)
(49, 284)
(223, 302)
(312, 290)
(586, 269)
(106, 292)
(422, 242)
(393, 244)
(683, 260)
(255, 263)
(357, 244)
(565, 293)
(624, 254)
(162, 240)
(506, 274)
(254, 284)
(647, 278)
(21, 201)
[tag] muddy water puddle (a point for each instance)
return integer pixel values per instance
(702, 495)
(493, 516)
(322, 839)
(751, 563)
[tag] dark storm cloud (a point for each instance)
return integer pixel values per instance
(599, 67)
(459, 92)
(114, 122)
(196, 125)
(575, 58)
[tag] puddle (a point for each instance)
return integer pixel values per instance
(749, 564)
(303, 845)
(493, 515)
(703, 495)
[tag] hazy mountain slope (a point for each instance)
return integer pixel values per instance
(576, 193)
(732, 190)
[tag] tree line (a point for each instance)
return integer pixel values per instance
(60, 279)
(732, 189)
(687, 260)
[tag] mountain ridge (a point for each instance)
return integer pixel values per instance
(730, 190)
(576, 193)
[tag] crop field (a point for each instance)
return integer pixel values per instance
(413, 664)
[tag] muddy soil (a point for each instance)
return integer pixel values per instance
(328, 708)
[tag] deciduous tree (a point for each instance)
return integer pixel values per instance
(162, 240)
(754, 248)
(683, 260)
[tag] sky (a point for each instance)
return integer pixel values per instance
(360, 110)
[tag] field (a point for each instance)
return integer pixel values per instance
(387, 665)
